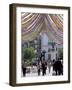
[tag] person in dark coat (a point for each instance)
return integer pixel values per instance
(43, 67)
(53, 64)
(24, 70)
(58, 67)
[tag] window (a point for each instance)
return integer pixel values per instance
(49, 56)
(56, 48)
(53, 49)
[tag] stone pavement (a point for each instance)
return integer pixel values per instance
(33, 72)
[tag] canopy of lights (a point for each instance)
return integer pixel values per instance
(33, 24)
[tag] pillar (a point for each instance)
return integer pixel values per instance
(44, 44)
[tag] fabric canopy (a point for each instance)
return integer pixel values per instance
(32, 24)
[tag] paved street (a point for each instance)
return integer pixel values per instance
(33, 72)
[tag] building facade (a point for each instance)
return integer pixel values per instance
(42, 44)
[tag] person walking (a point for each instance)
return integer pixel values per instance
(58, 67)
(24, 69)
(38, 67)
(43, 67)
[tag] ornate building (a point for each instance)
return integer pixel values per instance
(42, 44)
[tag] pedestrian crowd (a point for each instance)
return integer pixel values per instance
(42, 66)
